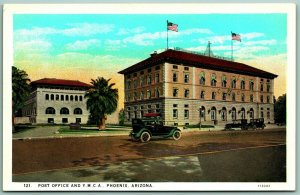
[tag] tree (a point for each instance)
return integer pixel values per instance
(20, 90)
(280, 109)
(121, 117)
(102, 99)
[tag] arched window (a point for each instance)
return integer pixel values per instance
(50, 110)
(242, 83)
(64, 111)
(251, 85)
(233, 83)
(57, 97)
(67, 98)
(224, 82)
(202, 78)
(213, 80)
(47, 96)
(71, 97)
(52, 97)
(62, 97)
(213, 113)
(224, 114)
(76, 98)
(77, 111)
(80, 98)
(243, 113)
(233, 113)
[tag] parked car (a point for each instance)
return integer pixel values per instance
(257, 123)
(146, 128)
(242, 123)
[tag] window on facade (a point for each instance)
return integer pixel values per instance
(242, 97)
(175, 67)
(262, 114)
(71, 97)
(141, 81)
(175, 77)
(233, 83)
(268, 88)
(67, 98)
(52, 97)
(141, 95)
(202, 94)
(224, 82)
(186, 68)
(50, 120)
(224, 96)
(261, 98)
(128, 84)
(50, 110)
(175, 92)
(148, 94)
(77, 111)
(261, 87)
(251, 85)
(268, 115)
(268, 99)
(80, 98)
(47, 96)
(156, 78)
(251, 98)
(213, 95)
(157, 93)
(175, 113)
(76, 98)
(202, 78)
(186, 77)
(134, 96)
(78, 120)
(175, 105)
(134, 84)
(64, 111)
(56, 97)
(233, 96)
(186, 114)
(186, 93)
(64, 120)
(62, 97)
(242, 84)
(149, 80)
(213, 80)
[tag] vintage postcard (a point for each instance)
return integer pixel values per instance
(149, 97)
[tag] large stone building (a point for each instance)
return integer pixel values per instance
(187, 88)
(56, 101)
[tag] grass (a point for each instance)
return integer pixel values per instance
(197, 126)
(67, 130)
(21, 128)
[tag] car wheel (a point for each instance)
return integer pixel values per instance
(176, 135)
(145, 136)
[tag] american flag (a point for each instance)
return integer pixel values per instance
(236, 37)
(172, 26)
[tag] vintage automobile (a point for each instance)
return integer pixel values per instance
(146, 128)
(257, 123)
(242, 123)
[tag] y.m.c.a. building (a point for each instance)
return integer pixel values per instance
(186, 88)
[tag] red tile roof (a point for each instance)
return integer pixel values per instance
(59, 82)
(200, 61)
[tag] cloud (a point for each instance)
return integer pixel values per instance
(251, 35)
(77, 29)
(87, 29)
(195, 30)
(144, 39)
(32, 46)
(125, 31)
(83, 45)
(261, 42)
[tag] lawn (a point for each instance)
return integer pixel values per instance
(90, 130)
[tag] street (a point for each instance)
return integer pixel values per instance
(215, 156)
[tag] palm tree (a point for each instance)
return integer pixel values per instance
(102, 100)
(20, 90)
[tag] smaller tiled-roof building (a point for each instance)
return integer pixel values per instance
(57, 101)
(187, 87)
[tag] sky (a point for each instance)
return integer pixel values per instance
(83, 47)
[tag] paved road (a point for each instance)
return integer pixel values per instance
(259, 164)
(31, 155)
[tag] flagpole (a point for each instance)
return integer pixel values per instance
(167, 36)
(231, 48)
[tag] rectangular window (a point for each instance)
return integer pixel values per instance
(175, 67)
(175, 113)
(62, 97)
(157, 105)
(186, 114)
(78, 120)
(186, 77)
(268, 88)
(186, 93)
(261, 98)
(157, 78)
(128, 84)
(202, 95)
(242, 84)
(261, 87)
(134, 84)
(186, 105)
(149, 79)
(186, 68)
(175, 92)
(175, 105)
(64, 120)
(50, 120)
(224, 96)
(175, 77)
(213, 95)
(268, 99)
(251, 85)
(251, 98)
